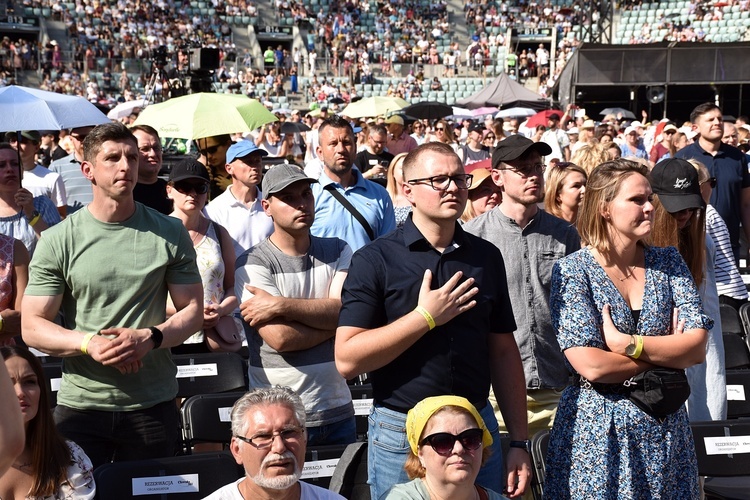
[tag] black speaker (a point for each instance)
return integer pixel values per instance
(204, 59)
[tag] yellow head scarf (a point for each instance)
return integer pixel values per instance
(417, 418)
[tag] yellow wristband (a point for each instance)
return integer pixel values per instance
(85, 342)
(33, 221)
(638, 347)
(426, 315)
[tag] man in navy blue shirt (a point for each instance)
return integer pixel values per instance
(731, 197)
(425, 311)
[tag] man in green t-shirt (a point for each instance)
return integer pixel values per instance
(108, 269)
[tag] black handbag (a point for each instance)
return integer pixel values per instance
(659, 391)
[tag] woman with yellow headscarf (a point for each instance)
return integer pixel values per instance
(449, 443)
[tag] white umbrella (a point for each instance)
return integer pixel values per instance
(460, 112)
(125, 109)
(515, 112)
(22, 108)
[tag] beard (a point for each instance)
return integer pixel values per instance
(277, 482)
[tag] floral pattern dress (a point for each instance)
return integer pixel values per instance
(80, 478)
(602, 446)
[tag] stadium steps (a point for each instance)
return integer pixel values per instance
(56, 30)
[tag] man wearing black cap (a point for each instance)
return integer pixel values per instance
(531, 240)
(36, 178)
(290, 289)
(109, 268)
(473, 151)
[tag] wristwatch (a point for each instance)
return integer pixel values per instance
(525, 445)
(156, 336)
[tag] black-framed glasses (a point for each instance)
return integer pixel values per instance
(527, 170)
(187, 187)
(265, 440)
(443, 442)
(711, 181)
(439, 129)
(443, 182)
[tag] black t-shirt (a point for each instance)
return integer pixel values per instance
(362, 161)
(154, 196)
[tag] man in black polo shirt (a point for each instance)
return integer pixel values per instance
(373, 161)
(425, 310)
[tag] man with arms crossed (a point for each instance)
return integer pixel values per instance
(426, 312)
(108, 268)
(290, 287)
(268, 440)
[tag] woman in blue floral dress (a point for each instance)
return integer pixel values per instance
(613, 297)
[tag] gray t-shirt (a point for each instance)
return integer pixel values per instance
(311, 373)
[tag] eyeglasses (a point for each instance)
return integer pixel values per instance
(263, 441)
(443, 182)
(527, 170)
(711, 181)
(186, 187)
(210, 151)
(489, 137)
(439, 129)
(443, 442)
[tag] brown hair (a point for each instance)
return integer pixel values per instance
(602, 187)
(448, 132)
(690, 240)
(50, 455)
(113, 131)
(434, 147)
(414, 468)
(554, 183)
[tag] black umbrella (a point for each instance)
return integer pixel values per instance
(430, 110)
(336, 100)
(293, 127)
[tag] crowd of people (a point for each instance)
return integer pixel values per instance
(470, 273)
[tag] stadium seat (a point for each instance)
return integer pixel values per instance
(722, 451)
(539, 443)
(350, 476)
(177, 478)
(320, 464)
(209, 373)
(205, 419)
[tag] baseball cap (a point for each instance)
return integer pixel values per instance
(630, 130)
(394, 119)
(669, 126)
(280, 177)
(243, 148)
(480, 171)
(476, 127)
(31, 135)
(675, 181)
(636, 124)
(188, 168)
(572, 130)
(515, 147)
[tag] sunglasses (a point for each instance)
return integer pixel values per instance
(186, 187)
(210, 151)
(443, 442)
(440, 129)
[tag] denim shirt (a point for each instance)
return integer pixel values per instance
(529, 254)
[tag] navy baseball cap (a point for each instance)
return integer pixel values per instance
(243, 148)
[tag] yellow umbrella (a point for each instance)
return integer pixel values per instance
(374, 106)
(204, 114)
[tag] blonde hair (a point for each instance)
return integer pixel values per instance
(589, 156)
(555, 178)
(602, 187)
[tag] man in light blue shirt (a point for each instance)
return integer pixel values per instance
(336, 150)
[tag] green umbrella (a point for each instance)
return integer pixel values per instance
(374, 106)
(201, 115)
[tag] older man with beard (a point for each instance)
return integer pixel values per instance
(268, 440)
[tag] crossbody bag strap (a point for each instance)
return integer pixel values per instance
(347, 205)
